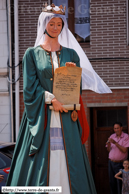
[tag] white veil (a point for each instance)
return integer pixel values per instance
(90, 79)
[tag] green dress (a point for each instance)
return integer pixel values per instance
(30, 163)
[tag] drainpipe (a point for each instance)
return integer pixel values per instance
(10, 69)
(17, 68)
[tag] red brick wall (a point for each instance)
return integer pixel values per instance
(109, 39)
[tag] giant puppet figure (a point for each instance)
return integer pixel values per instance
(50, 148)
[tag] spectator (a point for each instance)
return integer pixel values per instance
(125, 177)
(117, 145)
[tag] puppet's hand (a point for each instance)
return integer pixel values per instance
(58, 106)
(70, 64)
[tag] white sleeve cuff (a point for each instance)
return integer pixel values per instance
(48, 97)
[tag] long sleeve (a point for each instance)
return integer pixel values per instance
(34, 100)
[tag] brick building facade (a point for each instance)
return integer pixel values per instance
(108, 52)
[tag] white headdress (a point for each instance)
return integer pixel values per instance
(90, 79)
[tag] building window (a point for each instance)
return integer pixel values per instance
(78, 16)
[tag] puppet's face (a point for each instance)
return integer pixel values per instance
(54, 27)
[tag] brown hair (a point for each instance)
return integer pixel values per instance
(126, 160)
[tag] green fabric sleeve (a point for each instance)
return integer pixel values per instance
(34, 100)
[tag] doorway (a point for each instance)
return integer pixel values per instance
(102, 120)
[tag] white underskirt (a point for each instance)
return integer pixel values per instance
(58, 175)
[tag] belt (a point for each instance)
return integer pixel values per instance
(116, 161)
